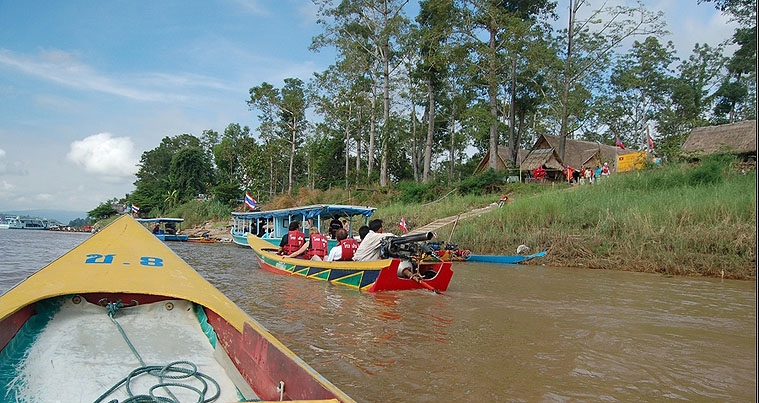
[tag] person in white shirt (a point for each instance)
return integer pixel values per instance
(369, 248)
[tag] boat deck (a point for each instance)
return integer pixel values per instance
(76, 353)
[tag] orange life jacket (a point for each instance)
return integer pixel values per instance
(295, 239)
(318, 246)
(349, 246)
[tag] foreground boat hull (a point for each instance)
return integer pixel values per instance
(370, 276)
(73, 302)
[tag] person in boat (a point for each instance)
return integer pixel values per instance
(334, 225)
(362, 231)
(370, 247)
(345, 248)
(157, 228)
(315, 247)
(171, 229)
(293, 240)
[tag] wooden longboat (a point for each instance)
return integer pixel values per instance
(370, 276)
(121, 316)
(504, 259)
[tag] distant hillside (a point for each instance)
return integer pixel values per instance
(63, 216)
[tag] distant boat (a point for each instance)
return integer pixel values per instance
(165, 228)
(122, 318)
(504, 259)
(272, 225)
(28, 223)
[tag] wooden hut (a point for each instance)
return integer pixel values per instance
(577, 153)
(735, 138)
(503, 162)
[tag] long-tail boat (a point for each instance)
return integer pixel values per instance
(370, 276)
(122, 318)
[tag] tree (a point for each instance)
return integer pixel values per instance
(371, 27)
(285, 112)
(102, 211)
(153, 177)
(589, 43)
(642, 78)
(189, 175)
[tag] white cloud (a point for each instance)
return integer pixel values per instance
(65, 68)
(2, 153)
(105, 156)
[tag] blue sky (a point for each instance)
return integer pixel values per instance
(87, 86)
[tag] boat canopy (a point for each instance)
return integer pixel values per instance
(159, 220)
(308, 212)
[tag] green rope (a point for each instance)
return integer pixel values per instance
(167, 375)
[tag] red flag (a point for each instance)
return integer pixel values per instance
(650, 142)
(402, 225)
(619, 143)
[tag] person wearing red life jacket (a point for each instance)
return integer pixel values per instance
(293, 240)
(314, 248)
(345, 247)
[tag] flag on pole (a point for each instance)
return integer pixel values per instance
(619, 143)
(402, 225)
(650, 142)
(135, 209)
(250, 201)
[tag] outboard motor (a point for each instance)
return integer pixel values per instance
(405, 247)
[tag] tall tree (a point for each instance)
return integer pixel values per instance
(642, 78)
(372, 27)
(589, 44)
(285, 112)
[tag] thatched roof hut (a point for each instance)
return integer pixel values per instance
(504, 155)
(735, 138)
(577, 153)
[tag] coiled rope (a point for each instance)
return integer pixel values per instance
(167, 375)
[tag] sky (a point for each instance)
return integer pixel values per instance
(87, 86)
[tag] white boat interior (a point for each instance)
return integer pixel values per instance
(72, 336)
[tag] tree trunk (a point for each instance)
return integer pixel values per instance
(430, 132)
(492, 93)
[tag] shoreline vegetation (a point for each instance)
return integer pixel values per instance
(683, 219)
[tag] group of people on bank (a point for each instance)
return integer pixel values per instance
(315, 246)
(586, 174)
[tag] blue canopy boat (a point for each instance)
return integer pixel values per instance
(272, 225)
(165, 229)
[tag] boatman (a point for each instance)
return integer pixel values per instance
(370, 247)
(293, 240)
(345, 248)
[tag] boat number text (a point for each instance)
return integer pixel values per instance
(96, 258)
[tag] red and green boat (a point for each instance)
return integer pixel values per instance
(370, 276)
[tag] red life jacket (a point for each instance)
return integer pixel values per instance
(295, 239)
(349, 246)
(318, 246)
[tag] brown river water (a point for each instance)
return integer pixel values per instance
(524, 333)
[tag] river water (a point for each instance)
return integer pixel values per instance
(500, 333)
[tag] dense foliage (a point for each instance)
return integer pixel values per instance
(417, 103)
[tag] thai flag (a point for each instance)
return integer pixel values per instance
(619, 143)
(250, 201)
(402, 225)
(135, 209)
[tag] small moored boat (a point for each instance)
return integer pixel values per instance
(504, 259)
(122, 317)
(371, 276)
(165, 228)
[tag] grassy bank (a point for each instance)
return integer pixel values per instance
(681, 220)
